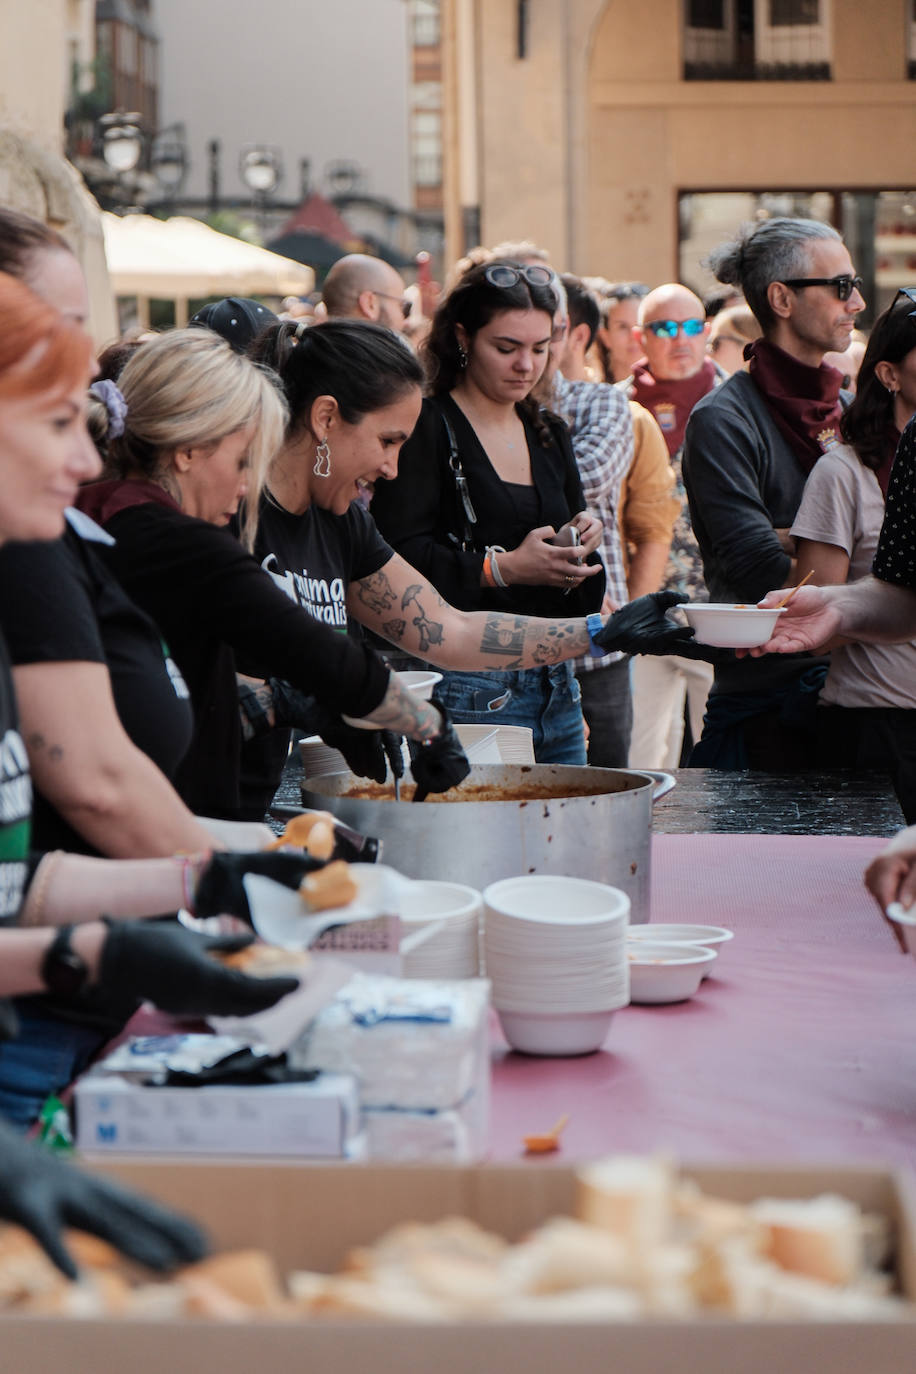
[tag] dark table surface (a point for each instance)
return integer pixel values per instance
(706, 801)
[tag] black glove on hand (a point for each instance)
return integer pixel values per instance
(440, 763)
(44, 1194)
(169, 965)
(220, 891)
(368, 752)
(642, 627)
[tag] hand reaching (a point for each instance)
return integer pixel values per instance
(165, 963)
(891, 876)
(810, 620)
(441, 762)
(45, 1194)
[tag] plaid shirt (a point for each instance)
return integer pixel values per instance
(601, 427)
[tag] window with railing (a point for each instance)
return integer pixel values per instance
(757, 40)
(426, 148)
(425, 23)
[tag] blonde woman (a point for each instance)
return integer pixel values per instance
(201, 425)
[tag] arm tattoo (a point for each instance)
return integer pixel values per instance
(503, 634)
(430, 631)
(376, 592)
(36, 742)
(406, 713)
(394, 630)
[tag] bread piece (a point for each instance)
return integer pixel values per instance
(396, 1302)
(565, 1254)
(268, 961)
(248, 1276)
(321, 840)
(594, 1304)
(328, 887)
(457, 1237)
(822, 1237)
(629, 1196)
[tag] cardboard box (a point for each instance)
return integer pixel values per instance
(310, 1215)
(318, 1119)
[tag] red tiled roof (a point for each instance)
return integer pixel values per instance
(317, 216)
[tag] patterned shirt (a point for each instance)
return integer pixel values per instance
(602, 437)
(895, 560)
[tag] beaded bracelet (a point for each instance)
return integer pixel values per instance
(32, 913)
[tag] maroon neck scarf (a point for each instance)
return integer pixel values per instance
(672, 401)
(804, 401)
(102, 500)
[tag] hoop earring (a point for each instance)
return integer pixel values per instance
(462, 357)
(322, 466)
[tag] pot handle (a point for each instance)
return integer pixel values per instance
(663, 784)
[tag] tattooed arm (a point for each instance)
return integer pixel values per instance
(399, 604)
(89, 769)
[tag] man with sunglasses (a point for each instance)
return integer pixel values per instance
(672, 376)
(748, 450)
(362, 288)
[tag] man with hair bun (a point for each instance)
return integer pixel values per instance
(748, 450)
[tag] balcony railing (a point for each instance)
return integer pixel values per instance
(724, 70)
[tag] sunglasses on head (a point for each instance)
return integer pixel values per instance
(844, 285)
(504, 276)
(909, 294)
(668, 329)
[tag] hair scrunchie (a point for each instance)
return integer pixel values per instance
(113, 400)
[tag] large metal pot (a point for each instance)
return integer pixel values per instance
(587, 822)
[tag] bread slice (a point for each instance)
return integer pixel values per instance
(822, 1237)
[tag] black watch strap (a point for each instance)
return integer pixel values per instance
(63, 970)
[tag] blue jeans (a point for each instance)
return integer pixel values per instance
(547, 700)
(47, 1055)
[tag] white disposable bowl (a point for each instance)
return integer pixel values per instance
(666, 973)
(547, 1035)
(676, 933)
(730, 627)
(906, 920)
(557, 900)
(422, 683)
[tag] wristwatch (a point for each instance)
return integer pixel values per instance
(63, 970)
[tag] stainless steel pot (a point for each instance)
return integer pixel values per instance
(587, 822)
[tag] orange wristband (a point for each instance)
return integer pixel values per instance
(488, 571)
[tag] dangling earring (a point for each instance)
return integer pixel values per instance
(322, 466)
(462, 356)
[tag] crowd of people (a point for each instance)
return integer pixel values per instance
(214, 535)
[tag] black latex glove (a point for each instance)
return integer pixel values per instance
(167, 964)
(43, 1193)
(642, 627)
(368, 752)
(220, 891)
(441, 763)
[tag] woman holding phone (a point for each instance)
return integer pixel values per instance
(488, 504)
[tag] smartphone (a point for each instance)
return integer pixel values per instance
(568, 536)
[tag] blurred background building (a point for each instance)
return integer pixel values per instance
(629, 139)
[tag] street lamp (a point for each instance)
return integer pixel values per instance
(122, 148)
(169, 159)
(261, 169)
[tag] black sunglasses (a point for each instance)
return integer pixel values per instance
(844, 285)
(909, 293)
(504, 276)
(405, 304)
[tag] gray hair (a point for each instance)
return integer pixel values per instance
(772, 250)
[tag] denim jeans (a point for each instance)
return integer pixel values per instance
(547, 700)
(47, 1055)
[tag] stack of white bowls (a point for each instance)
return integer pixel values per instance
(440, 930)
(556, 955)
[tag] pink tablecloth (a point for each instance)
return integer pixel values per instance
(802, 1046)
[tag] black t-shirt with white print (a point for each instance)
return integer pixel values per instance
(313, 558)
(59, 603)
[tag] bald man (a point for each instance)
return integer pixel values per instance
(673, 374)
(362, 288)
